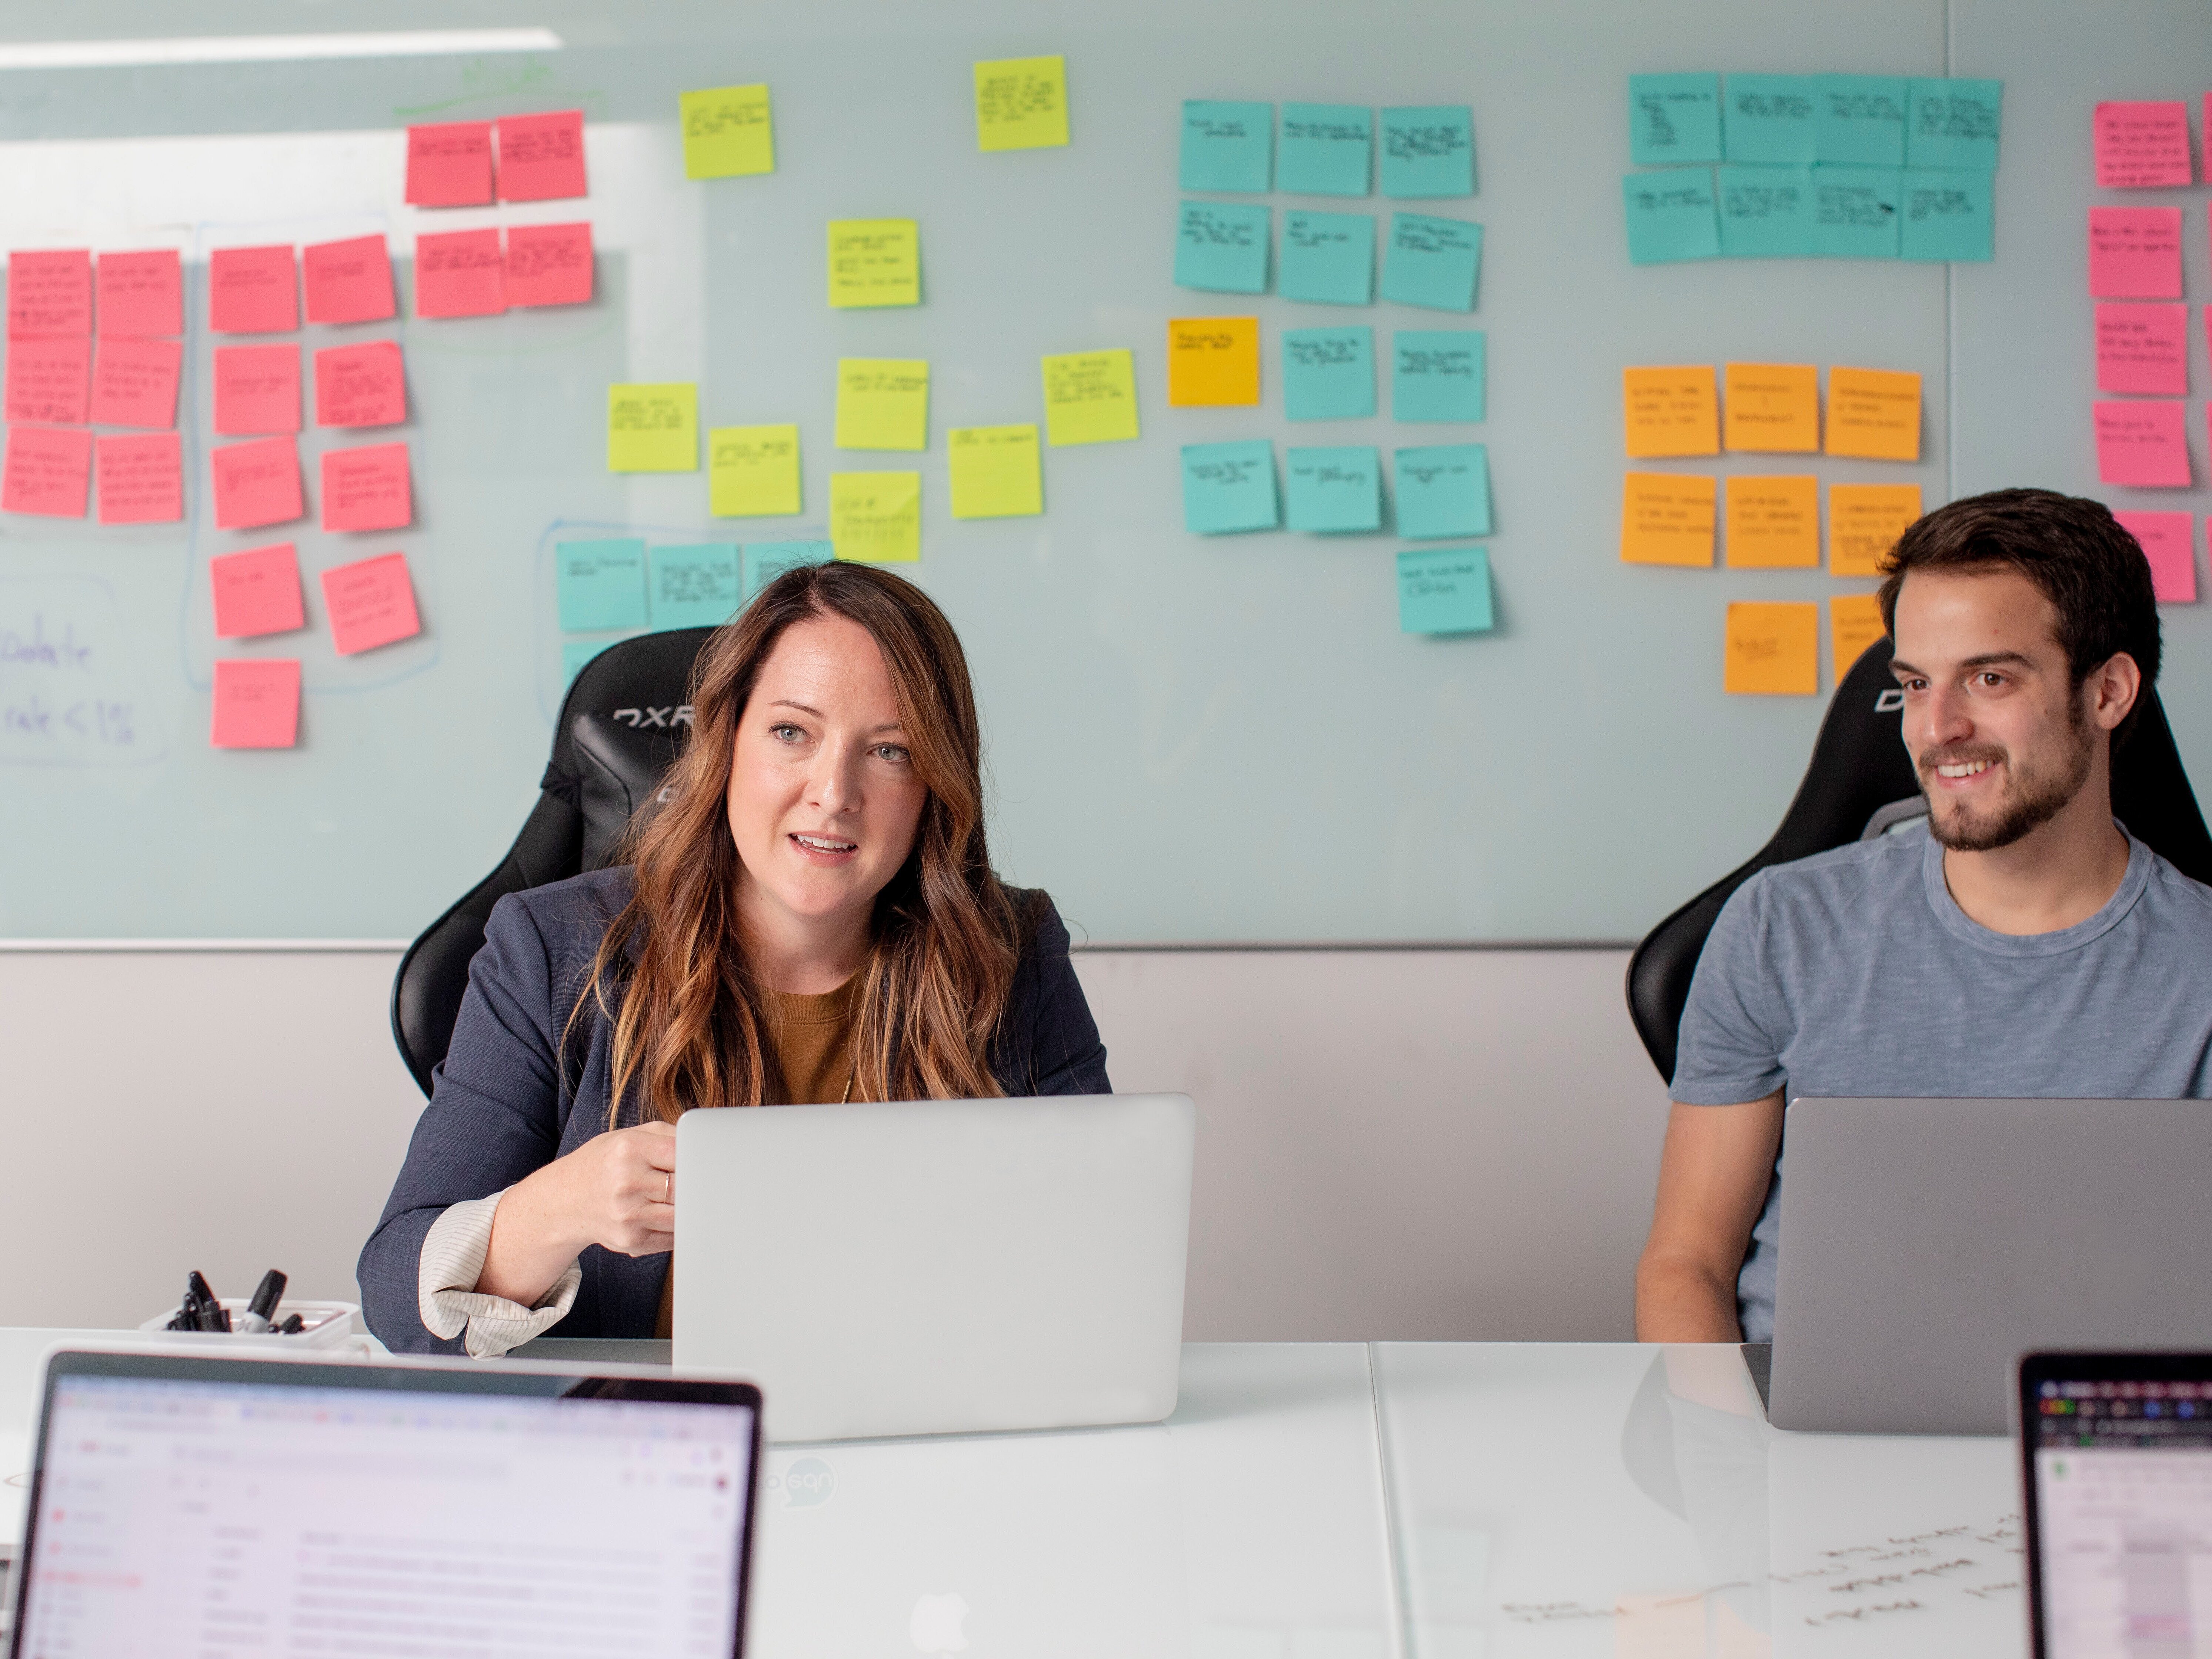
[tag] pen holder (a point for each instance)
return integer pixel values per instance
(324, 1325)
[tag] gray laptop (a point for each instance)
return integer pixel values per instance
(938, 1266)
(1927, 1244)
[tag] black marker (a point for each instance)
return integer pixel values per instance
(293, 1325)
(255, 1320)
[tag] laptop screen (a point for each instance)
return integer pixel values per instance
(190, 1516)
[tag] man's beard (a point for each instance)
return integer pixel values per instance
(2032, 798)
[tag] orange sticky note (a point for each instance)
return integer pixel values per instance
(1864, 521)
(371, 602)
(1666, 517)
(257, 702)
(1874, 412)
(1772, 650)
(1671, 411)
(1213, 362)
(1854, 623)
(1773, 407)
(1773, 523)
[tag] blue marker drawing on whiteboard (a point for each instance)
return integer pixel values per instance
(68, 697)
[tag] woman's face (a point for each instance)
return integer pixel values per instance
(823, 800)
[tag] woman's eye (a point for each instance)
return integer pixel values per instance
(786, 733)
(892, 752)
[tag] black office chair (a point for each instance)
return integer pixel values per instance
(1859, 784)
(620, 724)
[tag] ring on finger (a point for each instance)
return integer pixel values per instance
(668, 1188)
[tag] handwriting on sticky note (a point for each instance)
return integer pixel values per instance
(1772, 650)
(371, 602)
(693, 586)
(874, 262)
(1089, 397)
(47, 472)
(142, 295)
(255, 591)
(653, 427)
(1021, 103)
(2143, 349)
(600, 585)
(256, 484)
(256, 389)
(995, 472)
(728, 133)
(1444, 590)
(2142, 146)
(1666, 517)
(1437, 374)
(1428, 150)
(449, 164)
(1230, 487)
(541, 157)
(257, 702)
(1864, 521)
(1873, 413)
(1773, 407)
(1431, 261)
(49, 381)
(1442, 491)
(1854, 623)
(876, 517)
(1334, 489)
(49, 293)
(882, 402)
(2135, 253)
(2143, 444)
(1221, 247)
(1772, 523)
(368, 489)
(548, 264)
(1213, 362)
(252, 290)
(363, 384)
(1227, 146)
(1328, 374)
(134, 382)
(139, 479)
(348, 282)
(752, 471)
(2168, 542)
(1671, 411)
(461, 273)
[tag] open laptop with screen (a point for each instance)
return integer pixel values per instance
(182, 1502)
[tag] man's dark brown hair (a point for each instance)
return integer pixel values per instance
(2077, 555)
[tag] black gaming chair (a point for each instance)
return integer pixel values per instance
(1859, 783)
(620, 727)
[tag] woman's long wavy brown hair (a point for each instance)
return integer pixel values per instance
(693, 1026)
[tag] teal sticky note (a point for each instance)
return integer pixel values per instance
(1855, 212)
(1428, 149)
(1228, 146)
(600, 585)
(1328, 374)
(1336, 490)
(1954, 124)
(695, 587)
(1769, 119)
(1947, 214)
(1860, 121)
(1442, 491)
(1222, 247)
(765, 561)
(1437, 374)
(1444, 590)
(1672, 215)
(1431, 261)
(1324, 150)
(574, 654)
(1227, 487)
(1327, 259)
(1673, 119)
(1766, 213)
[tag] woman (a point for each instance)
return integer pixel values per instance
(811, 917)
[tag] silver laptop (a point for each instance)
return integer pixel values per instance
(1926, 1244)
(938, 1266)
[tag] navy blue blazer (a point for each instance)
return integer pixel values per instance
(502, 1105)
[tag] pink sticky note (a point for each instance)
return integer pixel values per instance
(360, 385)
(371, 603)
(449, 164)
(541, 157)
(256, 484)
(2166, 538)
(2135, 253)
(252, 290)
(141, 478)
(2143, 349)
(459, 273)
(548, 264)
(257, 389)
(134, 382)
(142, 295)
(48, 471)
(256, 592)
(49, 381)
(49, 294)
(257, 702)
(367, 489)
(348, 282)
(2142, 146)
(2143, 444)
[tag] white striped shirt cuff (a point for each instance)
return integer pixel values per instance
(453, 1261)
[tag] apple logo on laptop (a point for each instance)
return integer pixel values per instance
(935, 1623)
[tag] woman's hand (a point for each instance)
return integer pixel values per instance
(616, 1190)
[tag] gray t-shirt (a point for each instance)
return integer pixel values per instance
(1855, 972)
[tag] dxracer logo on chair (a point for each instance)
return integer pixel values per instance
(640, 720)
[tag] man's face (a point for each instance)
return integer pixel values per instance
(1999, 733)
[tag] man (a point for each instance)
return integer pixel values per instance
(2024, 946)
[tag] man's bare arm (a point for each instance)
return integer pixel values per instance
(1713, 1175)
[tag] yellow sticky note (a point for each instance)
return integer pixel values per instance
(882, 402)
(995, 473)
(876, 517)
(1666, 517)
(1854, 623)
(1772, 407)
(875, 262)
(1773, 650)
(1864, 521)
(1213, 362)
(1671, 411)
(726, 132)
(1773, 523)
(1021, 103)
(752, 471)
(1874, 412)
(653, 429)
(1089, 397)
